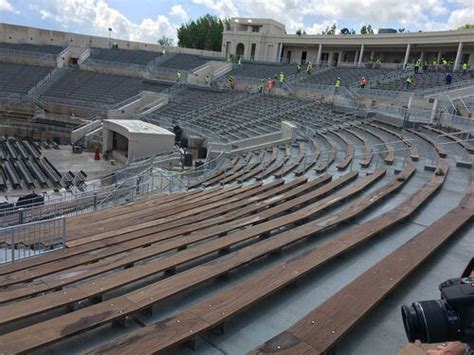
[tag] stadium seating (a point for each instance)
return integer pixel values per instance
(422, 81)
(46, 49)
(139, 57)
(262, 70)
(20, 78)
(183, 61)
(90, 87)
(349, 76)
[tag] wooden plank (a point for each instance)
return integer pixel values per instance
(274, 197)
(213, 311)
(146, 214)
(309, 162)
(466, 145)
(75, 322)
(323, 327)
(414, 154)
(367, 158)
(294, 163)
(439, 150)
(390, 151)
(324, 165)
(343, 164)
(49, 268)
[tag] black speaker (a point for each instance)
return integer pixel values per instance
(188, 159)
(202, 153)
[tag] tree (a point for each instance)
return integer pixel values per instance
(346, 31)
(366, 30)
(467, 26)
(330, 30)
(401, 30)
(204, 33)
(165, 41)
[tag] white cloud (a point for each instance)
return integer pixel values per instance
(178, 11)
(99, 16)
(6, 6)
(224, 8)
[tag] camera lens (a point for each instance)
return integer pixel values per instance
(430, 321)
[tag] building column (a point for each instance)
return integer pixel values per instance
(372, 55)
(440, 55)
(407, 55)
(422, 56)
(279, 52)
(356, 57)
(339, 57)
(330, 57)
(457, 62)
(361, 55)
(320, 52)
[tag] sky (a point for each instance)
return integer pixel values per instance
(149, 20)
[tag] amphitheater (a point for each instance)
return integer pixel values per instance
(296, 220)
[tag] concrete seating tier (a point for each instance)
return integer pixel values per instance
(20, 78)
(91, 87)
(348, 76)
(422, 81)
(44, 48)
(183, 61)
(124, 55)
(262, 71)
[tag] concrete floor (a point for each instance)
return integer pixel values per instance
(64, 160)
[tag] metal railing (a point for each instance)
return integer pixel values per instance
(30, 239)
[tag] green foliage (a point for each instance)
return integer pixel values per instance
(401, 30)
(467, 26)
(366, 30)
(165, 41)
(346, 31)
(204, 33)
(330, 30)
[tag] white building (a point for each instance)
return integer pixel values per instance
(129, 140)
(267, 40)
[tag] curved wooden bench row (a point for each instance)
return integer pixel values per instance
(285, 169)
(276, 166)
(324, 165)
(414, 154)
(242, 163)
(322, 328)
(96, 287)
(367, 158)
(390, 154)
(311, 160)
(343, 164)
(439, 150)
(214, 311)
(229, 166)
(58, 328)
(466, 145)
(271, 205)
(245, 197)
(108, 239)
(146, 214)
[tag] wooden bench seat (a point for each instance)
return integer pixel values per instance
(390, 151)
(343, 164)
(63, 326)
(311, 160)
(442, 153)
(414, 154)
(213, 311)
(324, 165)
(323, 327)
(367, 158)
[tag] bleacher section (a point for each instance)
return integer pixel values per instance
(91, 88)
(348, 76)
(183, 61)
(46, 49)
(139, 57)
(261, 70)
(422, 81)
(20, 78)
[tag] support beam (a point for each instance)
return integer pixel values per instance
(457, 62)
(318, 58)
(372, 55)
(356, 57)
(361, 55)
(438, 59)
(407, 55)
(339, 57)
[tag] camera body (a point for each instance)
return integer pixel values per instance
(447, 319)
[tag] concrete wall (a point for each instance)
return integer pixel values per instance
(23, 34)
